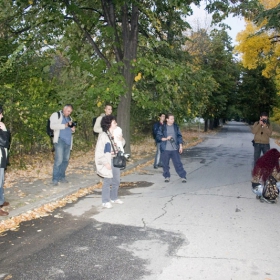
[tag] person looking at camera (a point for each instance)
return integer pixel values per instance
(262, 131)
(63, 128)
(171, 146)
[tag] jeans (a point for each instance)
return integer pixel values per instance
(2, 198)
(111, 193)
(258, 148)
(175, 156)
(61, 160)
(157, 161)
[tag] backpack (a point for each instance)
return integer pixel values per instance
(270, 191)
(93, 123)
(49, 130)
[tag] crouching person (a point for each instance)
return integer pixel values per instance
(266, 176)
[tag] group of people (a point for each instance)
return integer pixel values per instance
(169, 143)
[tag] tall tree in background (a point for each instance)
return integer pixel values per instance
(256, 94)
(213, 52)
(110, 27)
(259, 43)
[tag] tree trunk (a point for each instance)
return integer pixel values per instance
(205, 125)
(130, 42)
(211, 124)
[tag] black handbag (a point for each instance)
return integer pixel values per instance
(5, 138)
(119, 160)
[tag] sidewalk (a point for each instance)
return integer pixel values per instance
(29, 200)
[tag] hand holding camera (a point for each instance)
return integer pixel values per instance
(72, 124)
(264, 121)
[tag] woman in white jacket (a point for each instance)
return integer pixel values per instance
(104, 154)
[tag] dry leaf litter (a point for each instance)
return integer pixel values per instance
(40, 166)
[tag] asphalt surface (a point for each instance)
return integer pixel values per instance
(211, 227)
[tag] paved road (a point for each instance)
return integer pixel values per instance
(210, 228)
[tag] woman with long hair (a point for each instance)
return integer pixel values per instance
(106, 149)
(265, 166)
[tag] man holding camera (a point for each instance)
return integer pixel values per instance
(262, 131)
(63, 128)
(171, 146)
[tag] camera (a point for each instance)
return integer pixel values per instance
(264, 120)
(72, 125)
(172, 140)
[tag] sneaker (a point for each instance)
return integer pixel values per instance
(155, 167)
(184, 180)
(107, 205)
(167, 179)
(55, 183)
(117, 201)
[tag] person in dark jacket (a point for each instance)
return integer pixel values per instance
(171, 146)
(156, 126)
(4, 145)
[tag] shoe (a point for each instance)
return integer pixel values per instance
(117, 201)
(55, 183)
(155, 167)
(107, 205)
(64, 181)
(184, 180)
(3, 213)
(6, 203)
(167, 180)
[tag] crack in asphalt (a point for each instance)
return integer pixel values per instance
(163, 208)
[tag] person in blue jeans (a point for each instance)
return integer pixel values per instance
(63, 128)
(171, 146)
(4, 145)
(156, 127)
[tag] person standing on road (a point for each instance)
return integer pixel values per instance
(262, 131)
(117, 131)
(63, 129)
(171, 146)
(97, 126)
(158, 125)
(4, 145)
(104, 153)
(265, 166)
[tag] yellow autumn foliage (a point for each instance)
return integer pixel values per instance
(138, 77)
(256, 48)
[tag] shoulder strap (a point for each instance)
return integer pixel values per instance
(111, 143)
(58, 113)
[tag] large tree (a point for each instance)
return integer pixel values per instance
(111, 28)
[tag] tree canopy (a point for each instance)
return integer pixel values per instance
(133, 54)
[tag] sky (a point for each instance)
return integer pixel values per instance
(203, 20)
